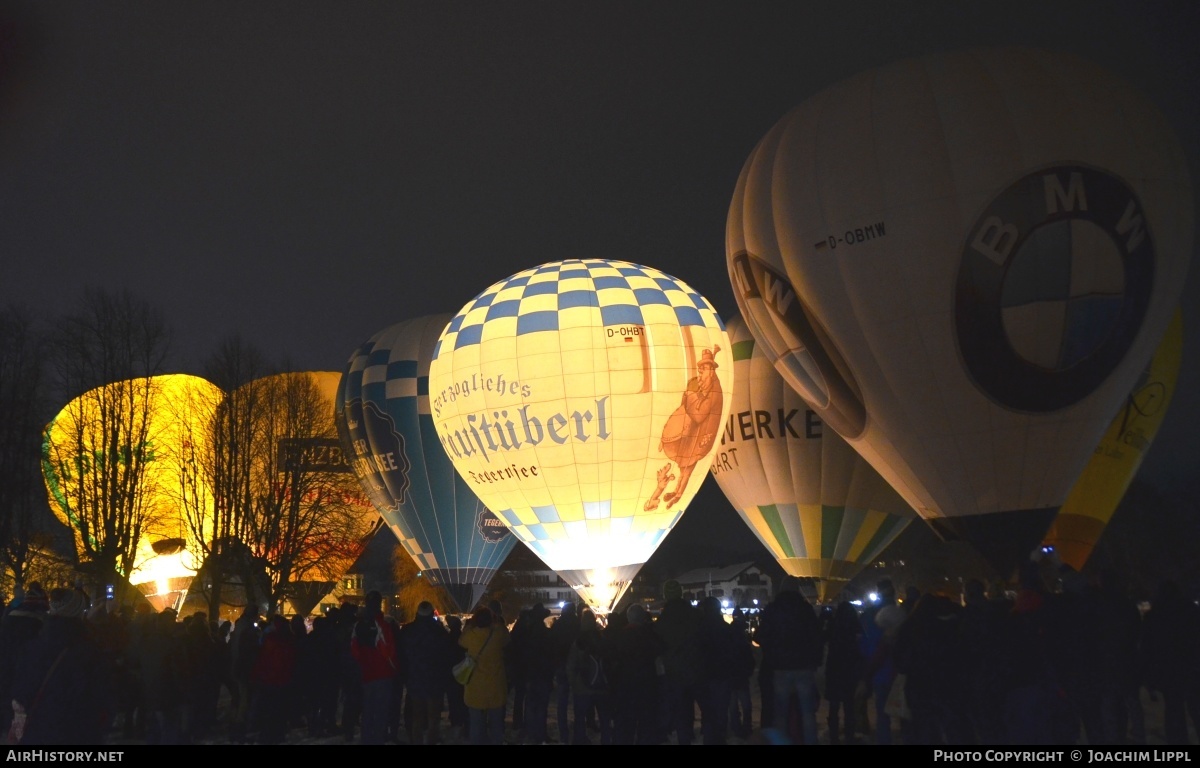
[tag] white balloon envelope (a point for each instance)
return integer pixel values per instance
(963, 262)
(817, 506)
(581, 400)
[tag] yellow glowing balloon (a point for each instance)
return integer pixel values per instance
(329, 479)
(581, 400)
(171, 487)
(1087, 511)
(817, 506)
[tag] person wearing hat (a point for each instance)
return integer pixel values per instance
(64, 685)
(20, 625)
(427, 654)
(691, 430)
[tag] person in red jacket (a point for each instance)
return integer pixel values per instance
(271, 680)
(373, 645)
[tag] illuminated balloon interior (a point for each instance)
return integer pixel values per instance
(175, 432)
(582, 401)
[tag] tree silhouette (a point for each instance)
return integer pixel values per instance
(103, 360)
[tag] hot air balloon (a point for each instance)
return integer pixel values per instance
(384, 420)
(164, 415)
(817, 506)
(313, 514)
(963, 262)
(582, 401)
(1090, 506)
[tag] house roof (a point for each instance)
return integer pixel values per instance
(714, 574)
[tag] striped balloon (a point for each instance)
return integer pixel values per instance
(810, 498)
(384, 420)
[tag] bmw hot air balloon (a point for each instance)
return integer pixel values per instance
(582, 400)
(385, 423)
(817, 506)
(963, 262)
(161, 419)
(1094, 499)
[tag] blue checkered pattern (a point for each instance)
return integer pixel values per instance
(619, 290)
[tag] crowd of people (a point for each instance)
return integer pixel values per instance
(1041, 666)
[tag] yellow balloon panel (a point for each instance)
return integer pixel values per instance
(169, 439)
(582, 400)
(1090, 506)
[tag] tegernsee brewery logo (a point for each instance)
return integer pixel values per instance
(490, 527)
(1054, 282)
(382, 460)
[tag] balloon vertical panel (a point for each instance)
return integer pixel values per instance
(579, 399)
(351, 420)
(813, 502)
(963, 262)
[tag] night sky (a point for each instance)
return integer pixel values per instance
(307, 173)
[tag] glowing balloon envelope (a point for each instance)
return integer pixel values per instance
(385, 421)
(811, 499)
(963, 263)
(582, 401)
(330, 458)
(317, 452)
(168, 554)
(1115, 462)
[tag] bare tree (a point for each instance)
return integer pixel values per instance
(308, 524)
(286, 502)
(225, 463)
(24, 410)
(104, 358)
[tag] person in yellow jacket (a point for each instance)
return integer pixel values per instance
(486, 693)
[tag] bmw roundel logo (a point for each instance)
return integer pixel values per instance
(1054, 283)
